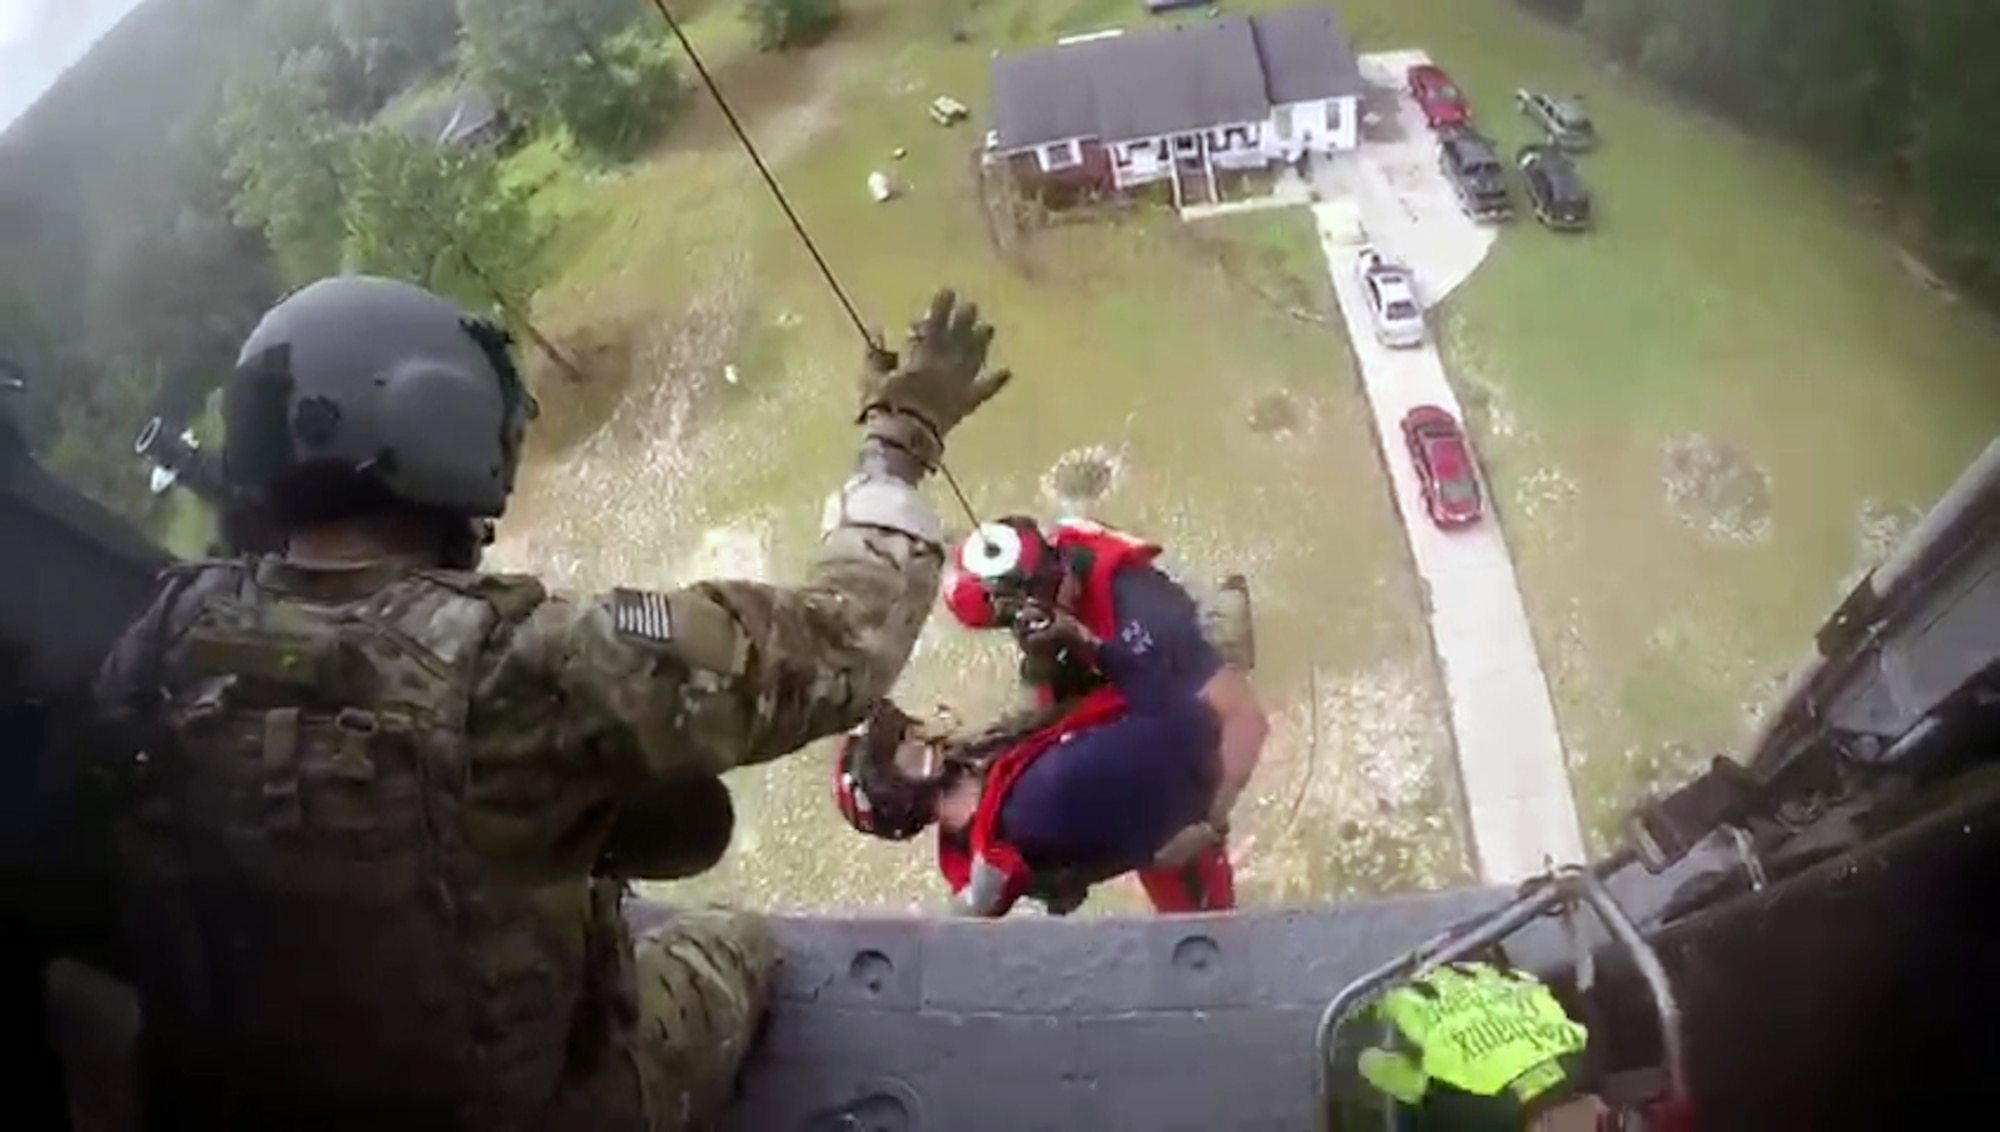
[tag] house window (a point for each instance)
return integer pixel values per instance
(1145, 151)
(1062, 155)
(1281, 122)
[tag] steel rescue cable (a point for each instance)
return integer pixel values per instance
(875, 345)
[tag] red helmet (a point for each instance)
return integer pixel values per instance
(996, 569)
(871, 791)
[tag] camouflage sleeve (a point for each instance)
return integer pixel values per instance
(724, 674)
(121, 694)
(128, 689)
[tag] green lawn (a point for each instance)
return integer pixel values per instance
(1730, 295)
(1138, 337)
(1733, 293)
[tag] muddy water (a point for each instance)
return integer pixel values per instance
(1270, 473)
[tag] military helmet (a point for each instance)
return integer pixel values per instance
(874, 794)
(380, 383)
(998, 570)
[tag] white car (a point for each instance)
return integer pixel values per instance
(1391, 293)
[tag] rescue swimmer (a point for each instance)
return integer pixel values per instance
(1141, 737)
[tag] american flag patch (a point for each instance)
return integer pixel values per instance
(642, 614)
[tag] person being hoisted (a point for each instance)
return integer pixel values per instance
(1141, 739)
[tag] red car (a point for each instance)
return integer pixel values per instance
(1444, 467)
(1438, 97)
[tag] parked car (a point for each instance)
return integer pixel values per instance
(1563, 120)
(1555, 188)
(1391, 293)
(1438, 97)
(1445, 467)
(1469, 161)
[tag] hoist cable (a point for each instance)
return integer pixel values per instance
(798, 226)
(770, 179)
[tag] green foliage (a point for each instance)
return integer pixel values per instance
(785, 24)
(1954, 154)
(630, 103)
(90, 428)
(1900, 90)
(441, 218)
(582, 64)
(286, 154)
(396, 42)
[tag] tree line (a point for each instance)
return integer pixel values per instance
(1897, 91)
(209, 155)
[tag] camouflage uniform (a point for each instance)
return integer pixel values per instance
(376, 819)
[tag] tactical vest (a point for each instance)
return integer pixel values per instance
(312, 934)
(1091, 555)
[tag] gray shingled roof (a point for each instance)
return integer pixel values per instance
(1306, 55)
(450, 120)
(1172, 80)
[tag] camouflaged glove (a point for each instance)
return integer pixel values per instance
(911, 402)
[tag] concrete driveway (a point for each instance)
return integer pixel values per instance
(1393, 180)
(1510, 752)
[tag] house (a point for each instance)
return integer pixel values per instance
(468, 117)
(1116, 110)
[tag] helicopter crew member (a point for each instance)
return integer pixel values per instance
(377, 810)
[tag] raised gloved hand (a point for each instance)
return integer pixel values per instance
(910, 403)
(1491, 1039)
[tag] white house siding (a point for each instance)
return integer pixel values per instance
(1060, 157)
(1321, 126)
(1238, 147)
(1292, 130)
(1139, 162)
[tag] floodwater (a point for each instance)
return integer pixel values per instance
(696, 476)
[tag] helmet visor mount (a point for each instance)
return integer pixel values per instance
(1000, 569)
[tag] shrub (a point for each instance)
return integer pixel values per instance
(785, 24)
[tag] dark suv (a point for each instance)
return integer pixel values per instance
(1474, 170)
(1555, 189)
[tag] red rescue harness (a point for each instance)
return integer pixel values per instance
(1002, 873)
(1092, 555)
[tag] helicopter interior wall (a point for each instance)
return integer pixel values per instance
(1183, 1022)
(73, 578)
(1931, 650)
(1910, 634)
(1859, 993)
(64, 590)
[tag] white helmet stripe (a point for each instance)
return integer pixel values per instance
(992, 551)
